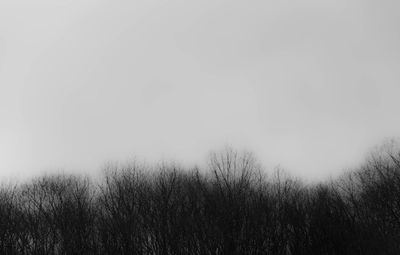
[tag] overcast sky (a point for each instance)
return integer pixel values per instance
(311, 85)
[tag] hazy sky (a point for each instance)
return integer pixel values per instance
(311, 84)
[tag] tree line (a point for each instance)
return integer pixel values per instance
(232, 207)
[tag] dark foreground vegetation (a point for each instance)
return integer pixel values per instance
(231, 208)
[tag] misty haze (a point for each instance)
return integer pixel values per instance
(199, 127)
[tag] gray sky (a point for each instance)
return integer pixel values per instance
(312, 84)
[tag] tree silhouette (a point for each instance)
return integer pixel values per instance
(232, 207)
